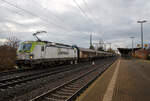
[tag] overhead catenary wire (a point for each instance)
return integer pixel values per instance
(53, 14)
(84, 12)
(90, 13)
(32, 14)
(44, 8)
(45, 20)
(61, 20)
(86, 4)
(12, 21)
(89, 10)
(18, 13)
(10, 10)
(35, 15)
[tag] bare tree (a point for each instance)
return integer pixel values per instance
(12, 42)
(92, 47)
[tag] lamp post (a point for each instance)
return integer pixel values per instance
(141, 22)
(132, 38)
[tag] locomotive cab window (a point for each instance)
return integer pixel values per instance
(42, 48)
(25, 47)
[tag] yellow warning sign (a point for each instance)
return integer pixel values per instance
(138, 45)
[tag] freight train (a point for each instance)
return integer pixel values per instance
(43, 54)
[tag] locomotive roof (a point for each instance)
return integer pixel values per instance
(50, 43)
(102, 52)
(90, 50)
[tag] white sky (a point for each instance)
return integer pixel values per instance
(113, 21)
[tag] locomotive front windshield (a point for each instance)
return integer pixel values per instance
(25, 47)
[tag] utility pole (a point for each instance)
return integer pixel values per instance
(104, 46)
(91, 45)
(90, 39)
(141, 22)
(132, 38)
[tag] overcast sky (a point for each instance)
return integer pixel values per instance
(113, 21)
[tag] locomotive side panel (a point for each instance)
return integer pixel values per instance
(60, 53)
(37, 52)
(51, 53)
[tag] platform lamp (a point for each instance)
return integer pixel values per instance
(141, 22)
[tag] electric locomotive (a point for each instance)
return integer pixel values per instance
(33, 53)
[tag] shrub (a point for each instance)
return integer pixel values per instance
(7, 57)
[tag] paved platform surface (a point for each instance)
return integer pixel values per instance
(125, 80)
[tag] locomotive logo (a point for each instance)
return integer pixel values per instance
(60, 52)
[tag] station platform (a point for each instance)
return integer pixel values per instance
(125, 80)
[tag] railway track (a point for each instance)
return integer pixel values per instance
(12, 88)
(17, 73)
(17, 80)
(9, 72)
(70, 90)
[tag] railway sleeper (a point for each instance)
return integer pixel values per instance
(66, 90)
(57, 96)
(81, 82)
(51, 99)
(74, 83)
(71, 88)
(2, 90)
(74, 86)
(64, 93)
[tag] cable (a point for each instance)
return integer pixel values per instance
(57, 17)
(83, 12)
(31, 14)
(51, 12)
(86, 4)
(90, 12)
(45, 20)
(44, 8)
(10, 10)
(55, 14)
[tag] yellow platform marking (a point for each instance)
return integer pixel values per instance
(110, 89)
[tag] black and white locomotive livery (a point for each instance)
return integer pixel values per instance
(33, 53)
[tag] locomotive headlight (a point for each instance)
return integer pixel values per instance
(31, 56)
(18, 56)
